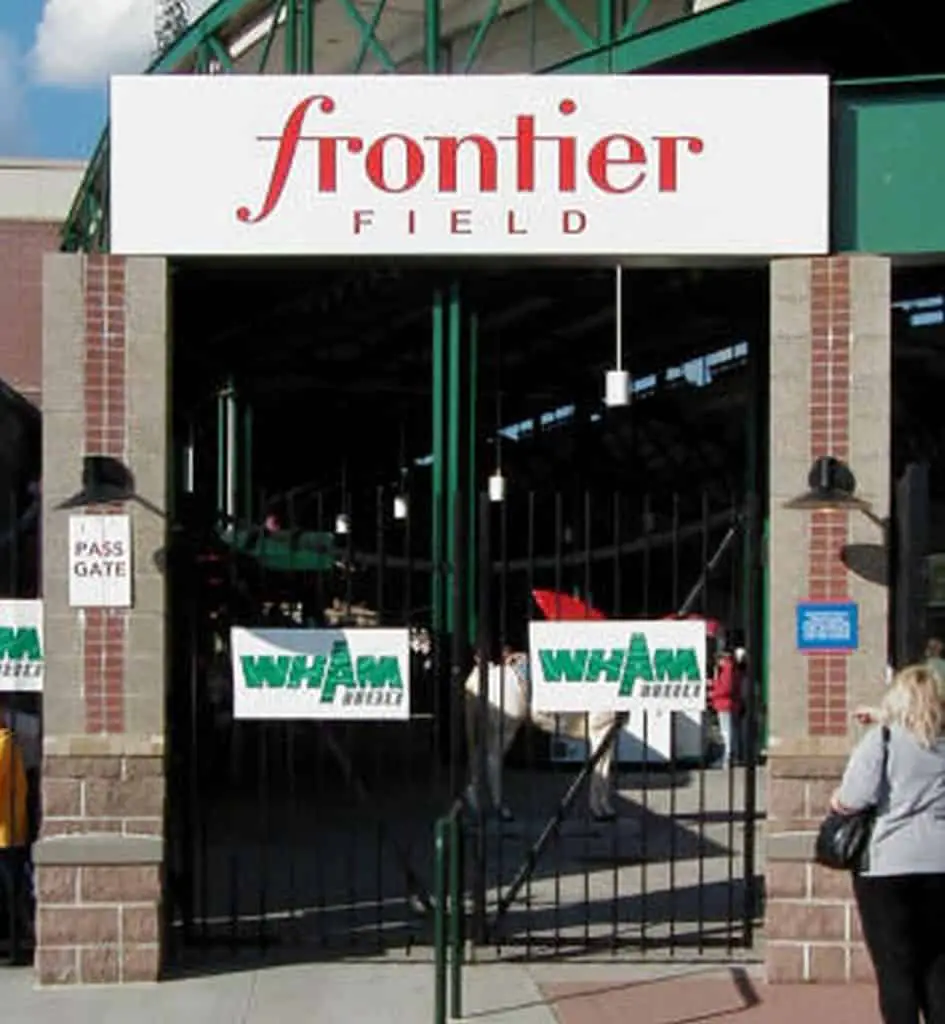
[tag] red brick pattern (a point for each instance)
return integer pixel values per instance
(105, 434)
(22, 246)
(829, 435)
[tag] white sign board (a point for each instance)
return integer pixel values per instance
(100, 561)
(618, 666)
(510, 165)
(342, 674)
(22, 654)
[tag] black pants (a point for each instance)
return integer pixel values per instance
(903, 920)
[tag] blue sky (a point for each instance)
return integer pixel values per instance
(46, 120)
(55, 59)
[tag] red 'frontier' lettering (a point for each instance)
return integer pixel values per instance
(396, 163)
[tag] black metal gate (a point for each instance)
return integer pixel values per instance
(671, 864)
(316, 839)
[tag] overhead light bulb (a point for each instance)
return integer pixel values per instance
(400, 507)
(497, 487)
(342, 524)
(617, 388)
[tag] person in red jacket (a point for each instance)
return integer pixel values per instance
(726, 696)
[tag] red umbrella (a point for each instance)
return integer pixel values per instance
(562, 607)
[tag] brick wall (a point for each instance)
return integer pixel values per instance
(830, 393)
(98, 925)
(22, 245)
(100, 853)
(811, 921)
(123, 795)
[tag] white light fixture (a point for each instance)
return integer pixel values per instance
(342, 524)
(400, 507)
(497, 487)
(617, 383)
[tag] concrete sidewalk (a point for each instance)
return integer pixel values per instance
(389, 993)
(367, 993)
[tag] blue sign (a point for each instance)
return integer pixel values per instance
(827, 626)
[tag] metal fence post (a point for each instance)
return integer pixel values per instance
(439, 923)
(456, 916)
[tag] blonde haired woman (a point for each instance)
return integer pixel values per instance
(900, 891)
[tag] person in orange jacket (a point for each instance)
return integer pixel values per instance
(726, 696)
(14, 834)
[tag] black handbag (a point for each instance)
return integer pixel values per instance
(843, 840)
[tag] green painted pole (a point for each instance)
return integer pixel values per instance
(765, 637)
(456, 917)
(291, 30)
(431, 24)
(221, 450)
(248, 463)
(605, 32)
(307, 61)
(436, 540)
(439, 923)
(471, 533)
(453, 410)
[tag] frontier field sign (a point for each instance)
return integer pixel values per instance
(340, 674)
(507, 165)
(22, 654)
(618, 666)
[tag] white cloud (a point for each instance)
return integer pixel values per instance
(14, 127)
(81, 42)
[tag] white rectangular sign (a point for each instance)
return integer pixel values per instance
(618, 666)
(510, 165)
(22, 654)
(345, 674)
(100, 561)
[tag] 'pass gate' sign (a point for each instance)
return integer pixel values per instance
(618, 666)
(357, 674)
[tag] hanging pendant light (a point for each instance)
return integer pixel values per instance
(342, 524)
(401, 505)
(497, 480)
(617, 383)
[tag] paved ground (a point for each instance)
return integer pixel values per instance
(402, 994)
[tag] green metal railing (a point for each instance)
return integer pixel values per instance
(449, 916)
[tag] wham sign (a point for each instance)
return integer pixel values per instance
(491, 165)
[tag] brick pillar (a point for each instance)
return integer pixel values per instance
(99, 857)
(830, 395)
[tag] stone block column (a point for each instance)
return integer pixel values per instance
(830, 392)
(100, 853)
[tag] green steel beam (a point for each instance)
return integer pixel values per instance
(219, 51)
(690, 34)
(605, 32)
(472, 478)
(307, 39)
(633, 19)
(271, 36)
(368, 35)
(570, 20)
(290, 39)
(431, 36)
(479, 37)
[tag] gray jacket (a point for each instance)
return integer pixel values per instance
(909, 835)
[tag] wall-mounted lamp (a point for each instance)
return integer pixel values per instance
(104, 480)
(831, 487)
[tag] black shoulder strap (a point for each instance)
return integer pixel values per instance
(886, 735)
